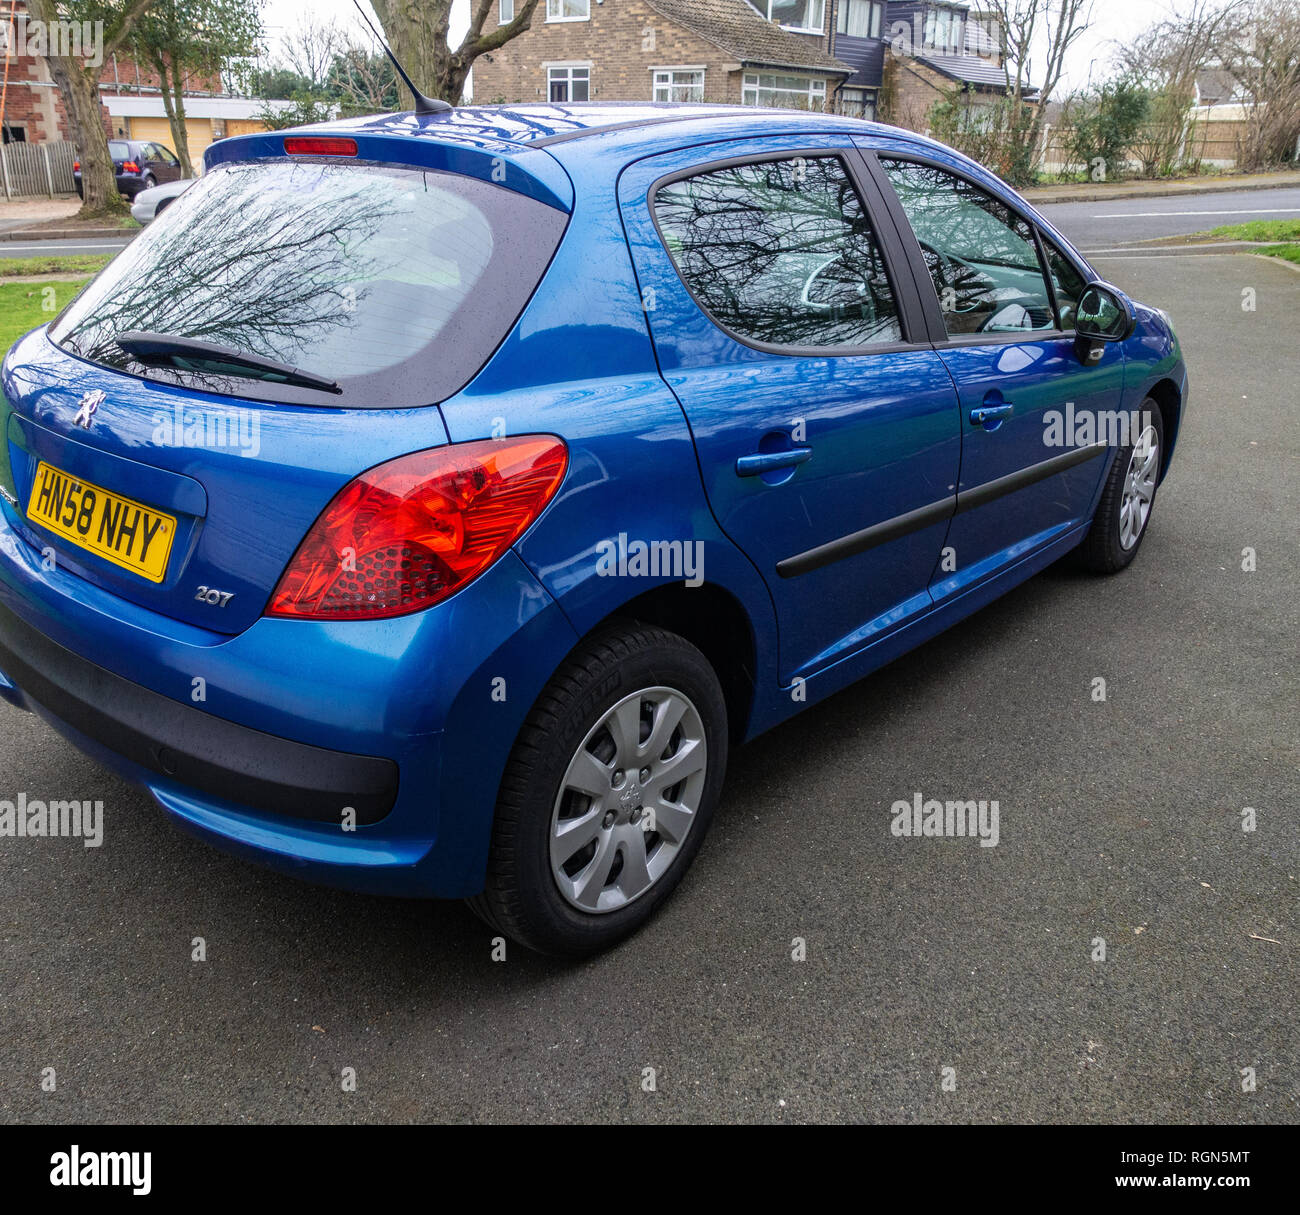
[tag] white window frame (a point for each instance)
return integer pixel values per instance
(752, 84)
(866, 98)
(764, 10)
(955, 30)
(565, 72)
(558, 6)
(505, 12)
(672, 71)
(875, 20)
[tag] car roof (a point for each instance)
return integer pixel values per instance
(617, 125)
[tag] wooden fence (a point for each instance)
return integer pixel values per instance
(37, 168)
(1214, 138)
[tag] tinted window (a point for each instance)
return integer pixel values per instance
(781, 252)
(980, 254)
(397, 283)
(1067, 282)
(119, 149)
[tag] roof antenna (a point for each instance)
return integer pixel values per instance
(423, 104)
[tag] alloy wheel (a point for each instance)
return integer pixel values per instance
(1139, 487)
(628, 800)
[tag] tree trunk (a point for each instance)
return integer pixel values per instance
(417, 32)
(173, 94)
(79, 89)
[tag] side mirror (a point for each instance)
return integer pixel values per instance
(1104, 314)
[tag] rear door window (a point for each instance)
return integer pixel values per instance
(395, 283)
(781, 253)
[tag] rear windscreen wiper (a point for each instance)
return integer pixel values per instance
(193, 354)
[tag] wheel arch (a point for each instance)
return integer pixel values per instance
(713, 620)
(1165, 393)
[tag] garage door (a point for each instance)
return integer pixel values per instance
(159, 130)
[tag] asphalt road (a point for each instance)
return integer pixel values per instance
(31, 248)
(1119, 820)
(1108, 223)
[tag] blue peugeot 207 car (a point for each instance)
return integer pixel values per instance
(427, 504)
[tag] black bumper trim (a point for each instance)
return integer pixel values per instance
(192, 748)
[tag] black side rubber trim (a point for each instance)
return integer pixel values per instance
(868, 537)
(968, 499)
(924, 516)
(188, 746)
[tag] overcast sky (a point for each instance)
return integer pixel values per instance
(1113, 20)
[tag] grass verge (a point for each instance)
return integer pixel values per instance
(73, 265)
(1282, 235)
(24, 306)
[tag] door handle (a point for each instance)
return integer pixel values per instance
(766, 461)
(995, 414)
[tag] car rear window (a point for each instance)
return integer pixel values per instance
(395, 283)
(118, 149)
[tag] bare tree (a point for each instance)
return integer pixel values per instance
(417, 30)
(1166, 58)
(309, 49)
(1035, 31)
(1261, 52)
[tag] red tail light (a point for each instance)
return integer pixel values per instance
(129, 166)
(319, 145)
(76, 166)
(408, 533)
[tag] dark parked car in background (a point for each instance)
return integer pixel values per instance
(138, 164)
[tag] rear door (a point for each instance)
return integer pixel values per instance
(825, 426)
(1001, 301)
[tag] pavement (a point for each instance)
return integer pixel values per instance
(1232, 183)
(1119, 820)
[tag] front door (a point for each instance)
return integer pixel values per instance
(1034, 418)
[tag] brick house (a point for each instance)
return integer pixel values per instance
(833, 54)
(935, 48)
(664, 50)
(131, 95)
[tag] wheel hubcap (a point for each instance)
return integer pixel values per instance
(628, 800)
(1139, 487)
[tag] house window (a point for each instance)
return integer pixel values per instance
(858, 103)
(797, 92)
(859, 18)
(679, 84)
(943, 30)
(566, 10)
(507, 12)
(569, 82)
(794, 14)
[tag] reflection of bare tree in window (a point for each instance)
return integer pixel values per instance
(244, 269)
(781, 252)
(967, 239)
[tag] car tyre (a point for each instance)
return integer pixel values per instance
(1124, 511)
(584, 849)
(148, 182)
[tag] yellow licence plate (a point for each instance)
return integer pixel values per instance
(121, 531)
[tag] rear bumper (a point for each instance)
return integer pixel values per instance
(206, 754)
(298, 719)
